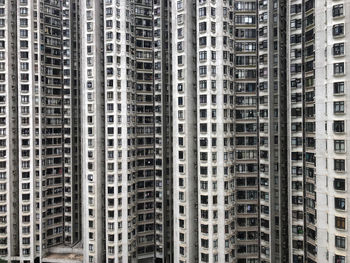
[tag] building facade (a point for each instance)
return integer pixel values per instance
(40, 170)
(125, 102)
(332, 127)
(174, 131)
(302, 128)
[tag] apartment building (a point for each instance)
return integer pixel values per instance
(332, 126)
(126, 137)
(174, 131)
(9, 132)
(40, 127)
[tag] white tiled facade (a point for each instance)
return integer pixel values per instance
(332, 51)
(126, 102)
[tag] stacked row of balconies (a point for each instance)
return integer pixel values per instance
(272, 129)
(51, 146)
(147, 232)
(302, 153)
(246, 130)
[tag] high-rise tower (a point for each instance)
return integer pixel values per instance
(126, 107)
(40, 156)
(331, 25)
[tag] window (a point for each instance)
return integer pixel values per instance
(338, 68)
(294, 9)
(23, 11)
(204, 257)
(339, 222)
(338, 87)
(339, 259)
(338, 49)
(202, 41)
(180, 60)
(180, 19)
(296, 38)
(340, 241)
(213, 70)
(203, 55)
(202, 84)
(295, 23)
(295, 112)
(91, 247)
(295, 53)
(295, 68)
(203, 26)
(182, 250)
(204, 170)
(180, 46)
(339, 203)
(202, 70)
(203, 99)
(202, 11)
(180, 32)
(213, 41)
(247, 19)
(181, 196)
(295, 83)
(339, 165)
(339, 145)
(338, 126)
(338, 10)
(179, 73)
(203, 113)
(339, 184)
(338, 107)
(204, 199)
(338, 30)
(212, 11)
(203, 127)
